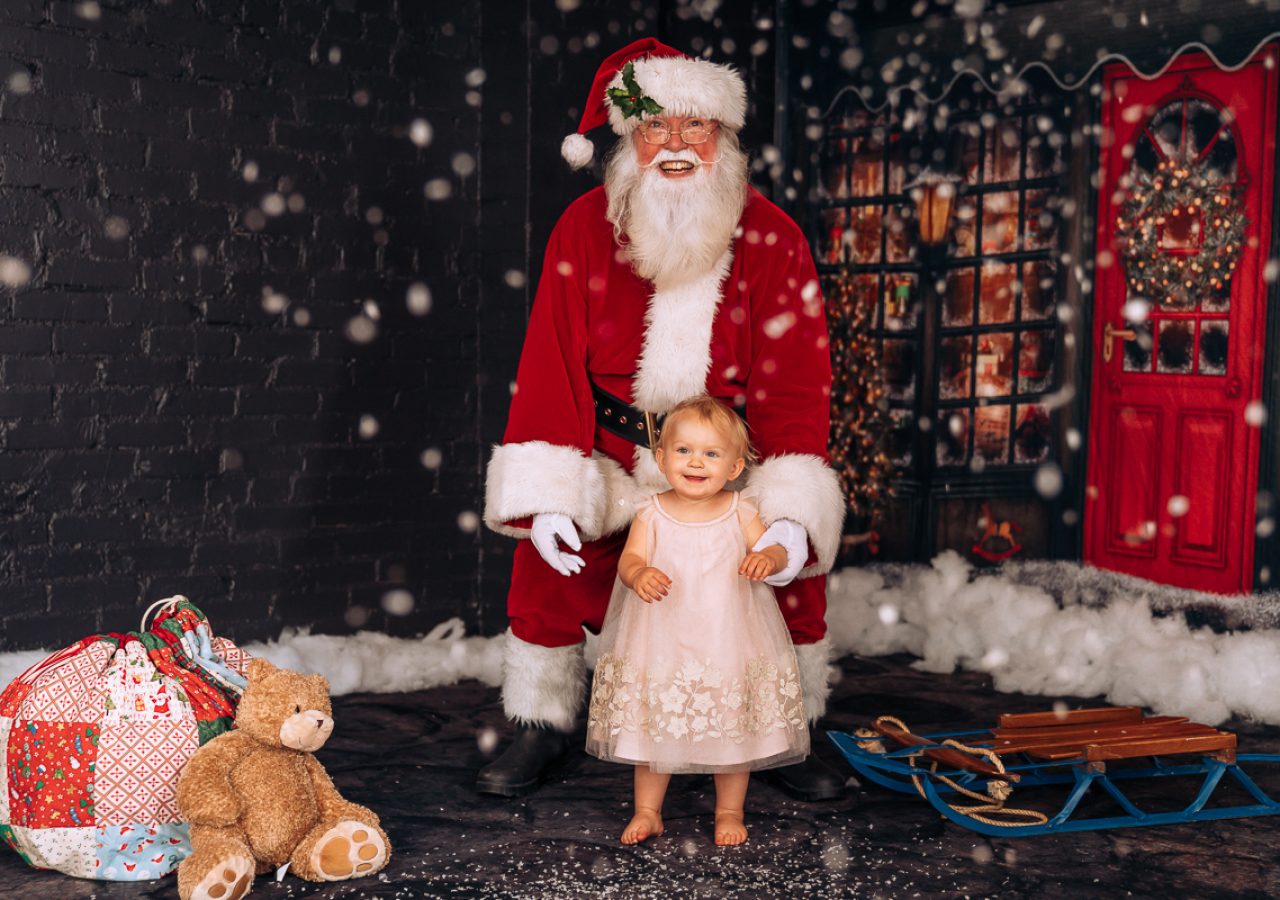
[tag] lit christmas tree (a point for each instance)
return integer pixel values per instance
(860, 419)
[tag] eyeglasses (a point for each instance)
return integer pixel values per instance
(659, 132)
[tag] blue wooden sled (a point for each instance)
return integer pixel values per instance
(1090, 750)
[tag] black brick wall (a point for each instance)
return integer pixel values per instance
(165, 427)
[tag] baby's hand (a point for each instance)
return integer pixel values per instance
(757, 566)
(651, 584)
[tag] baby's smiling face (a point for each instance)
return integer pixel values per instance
(696, 459)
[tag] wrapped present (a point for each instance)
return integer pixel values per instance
(92, 739)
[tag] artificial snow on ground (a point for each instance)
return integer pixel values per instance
(1052, 628)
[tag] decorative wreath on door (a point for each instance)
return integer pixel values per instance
(1180, 226)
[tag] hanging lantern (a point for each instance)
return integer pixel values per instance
(934, 195)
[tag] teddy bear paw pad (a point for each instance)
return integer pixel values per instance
(228, 880)
(349, 850)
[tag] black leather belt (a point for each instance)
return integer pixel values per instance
(624, 420)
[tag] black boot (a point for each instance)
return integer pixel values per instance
(810, 779)
(522, 767)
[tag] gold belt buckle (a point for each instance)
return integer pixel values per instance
(651, 430)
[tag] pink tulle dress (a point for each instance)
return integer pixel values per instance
(705, 679)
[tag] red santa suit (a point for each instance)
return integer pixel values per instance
(752, 333)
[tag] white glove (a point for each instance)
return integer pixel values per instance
(546, 528)
(792, 537)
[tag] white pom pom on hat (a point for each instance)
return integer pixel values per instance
(681, 85)
(577, 150)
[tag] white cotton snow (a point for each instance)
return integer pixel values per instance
(378, 663)
(366, 661)
(1056, 629)
(1101, 637)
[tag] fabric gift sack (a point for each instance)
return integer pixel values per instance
(92, 739)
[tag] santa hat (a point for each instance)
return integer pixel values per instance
(677, 85)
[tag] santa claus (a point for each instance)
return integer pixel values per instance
(673, 279)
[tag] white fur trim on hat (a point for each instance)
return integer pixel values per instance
(542, 685)
(803, 488)
(685, 87)
(577, 150)
(814, 663)
(537, 477)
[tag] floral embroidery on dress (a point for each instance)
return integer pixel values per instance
(696, 703)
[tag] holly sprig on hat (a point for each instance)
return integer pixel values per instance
(630, 99)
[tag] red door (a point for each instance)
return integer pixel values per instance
(1184, 209)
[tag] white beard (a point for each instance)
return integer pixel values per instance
(676, 229)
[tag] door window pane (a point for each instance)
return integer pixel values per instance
(1213, 348)
(1174, 348)
(1137, 352)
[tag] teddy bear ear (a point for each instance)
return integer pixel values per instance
(259, 668)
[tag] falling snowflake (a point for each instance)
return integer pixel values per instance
(420, 132)
(418, 299)
(398, 602)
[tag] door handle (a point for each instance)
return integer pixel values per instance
(1109, 334)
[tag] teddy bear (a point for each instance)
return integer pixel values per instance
(257, 799)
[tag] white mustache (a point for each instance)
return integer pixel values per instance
(681, 156)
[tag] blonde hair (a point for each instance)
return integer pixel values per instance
(720, 417)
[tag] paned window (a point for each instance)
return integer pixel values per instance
(993, 344)
(997, 340)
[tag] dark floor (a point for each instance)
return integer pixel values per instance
(411, 757)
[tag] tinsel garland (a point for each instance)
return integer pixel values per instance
(860, 419)
(1173, 278)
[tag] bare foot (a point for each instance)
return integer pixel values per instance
(643, 825)
(730, 830)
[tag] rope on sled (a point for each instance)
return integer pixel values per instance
(998, 792)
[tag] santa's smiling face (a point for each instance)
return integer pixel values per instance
(661, 144)
(676, 203)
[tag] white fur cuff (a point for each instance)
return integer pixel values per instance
(805, 489)
(816, 672)
(536, 477)
(542, 685)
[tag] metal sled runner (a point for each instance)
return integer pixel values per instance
(1091, 750)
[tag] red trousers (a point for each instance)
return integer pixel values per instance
(550, 609)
